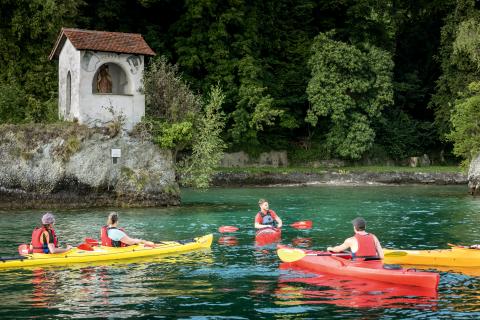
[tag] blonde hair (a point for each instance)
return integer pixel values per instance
(112, 218)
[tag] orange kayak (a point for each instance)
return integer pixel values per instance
(342, 265)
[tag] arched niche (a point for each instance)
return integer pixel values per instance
(110, 78)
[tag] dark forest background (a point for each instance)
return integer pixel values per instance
(347, 79)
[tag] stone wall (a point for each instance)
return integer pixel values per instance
(79, 172)
(242, 159)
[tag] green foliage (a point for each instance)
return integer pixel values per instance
(458, 70)
(27, 33)
(465, 119)
(168, 97)
(350, 85)
(401, 136)
(208, 146)
(172, 108)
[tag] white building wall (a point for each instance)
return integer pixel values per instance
(97, 108)
(69, 60)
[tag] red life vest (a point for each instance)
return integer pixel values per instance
(366, 246)
(107, 241)
(37, 245)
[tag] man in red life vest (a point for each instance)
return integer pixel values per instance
(265, 217)
(44, 239)
(362, 244)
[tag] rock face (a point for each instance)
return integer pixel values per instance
(474, 176)
(81, 173)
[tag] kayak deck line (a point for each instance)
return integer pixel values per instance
(101, 253)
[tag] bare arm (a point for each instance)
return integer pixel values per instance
(347, 244)
(52, 249)
(279, 222)
(130, 241)
(379, 248)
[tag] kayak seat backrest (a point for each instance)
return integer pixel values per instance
(392, 267)
(186, 241)
(371, 258)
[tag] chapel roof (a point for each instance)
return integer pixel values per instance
(118, 42)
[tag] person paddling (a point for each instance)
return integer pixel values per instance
(362, 244)
(44, 239)
(113, 236)
(266, 218)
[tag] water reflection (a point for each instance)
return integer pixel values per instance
(298, 288)
(86, 290)
(228, 241)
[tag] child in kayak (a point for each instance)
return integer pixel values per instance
(362, 244)
(44, 239)
(266, 218)
(113, 236)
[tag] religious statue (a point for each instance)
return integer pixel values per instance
(104, 80)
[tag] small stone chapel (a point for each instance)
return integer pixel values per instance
(100, 76)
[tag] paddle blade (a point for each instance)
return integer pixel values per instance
(85, 247)
(224, 229)
(92, 242)
(290, 254)
(307, 224)
(394, 254)
(23, 249)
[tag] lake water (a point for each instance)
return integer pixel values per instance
(237, 279)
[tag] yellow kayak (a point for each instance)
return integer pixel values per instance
(453, 257)
(101, 253)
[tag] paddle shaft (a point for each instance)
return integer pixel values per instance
(296, 225)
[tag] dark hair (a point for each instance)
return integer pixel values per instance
(359, 223)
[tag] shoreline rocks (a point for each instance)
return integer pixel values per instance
(337, 178)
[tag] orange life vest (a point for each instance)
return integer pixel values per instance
(366, 246)
(107, 241)
(37, 245)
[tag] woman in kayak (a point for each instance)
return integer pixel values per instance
(112, 236)
(44, 239)
(265, 217)
(362, 244)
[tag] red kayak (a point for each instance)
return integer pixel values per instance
(350, 292)
(268, 235)
(342, 265)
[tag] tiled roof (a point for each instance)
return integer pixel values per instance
(102, 41)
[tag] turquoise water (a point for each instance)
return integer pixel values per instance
(237, 279)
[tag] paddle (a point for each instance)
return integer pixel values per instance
(293, 254)
(307, 224)
(465, 247)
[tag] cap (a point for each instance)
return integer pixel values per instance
(359, 223)
(48, 218)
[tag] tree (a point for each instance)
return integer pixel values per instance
(197, 170)
(350, 86)
(171, 106)
(27, 33)
(465, 118)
